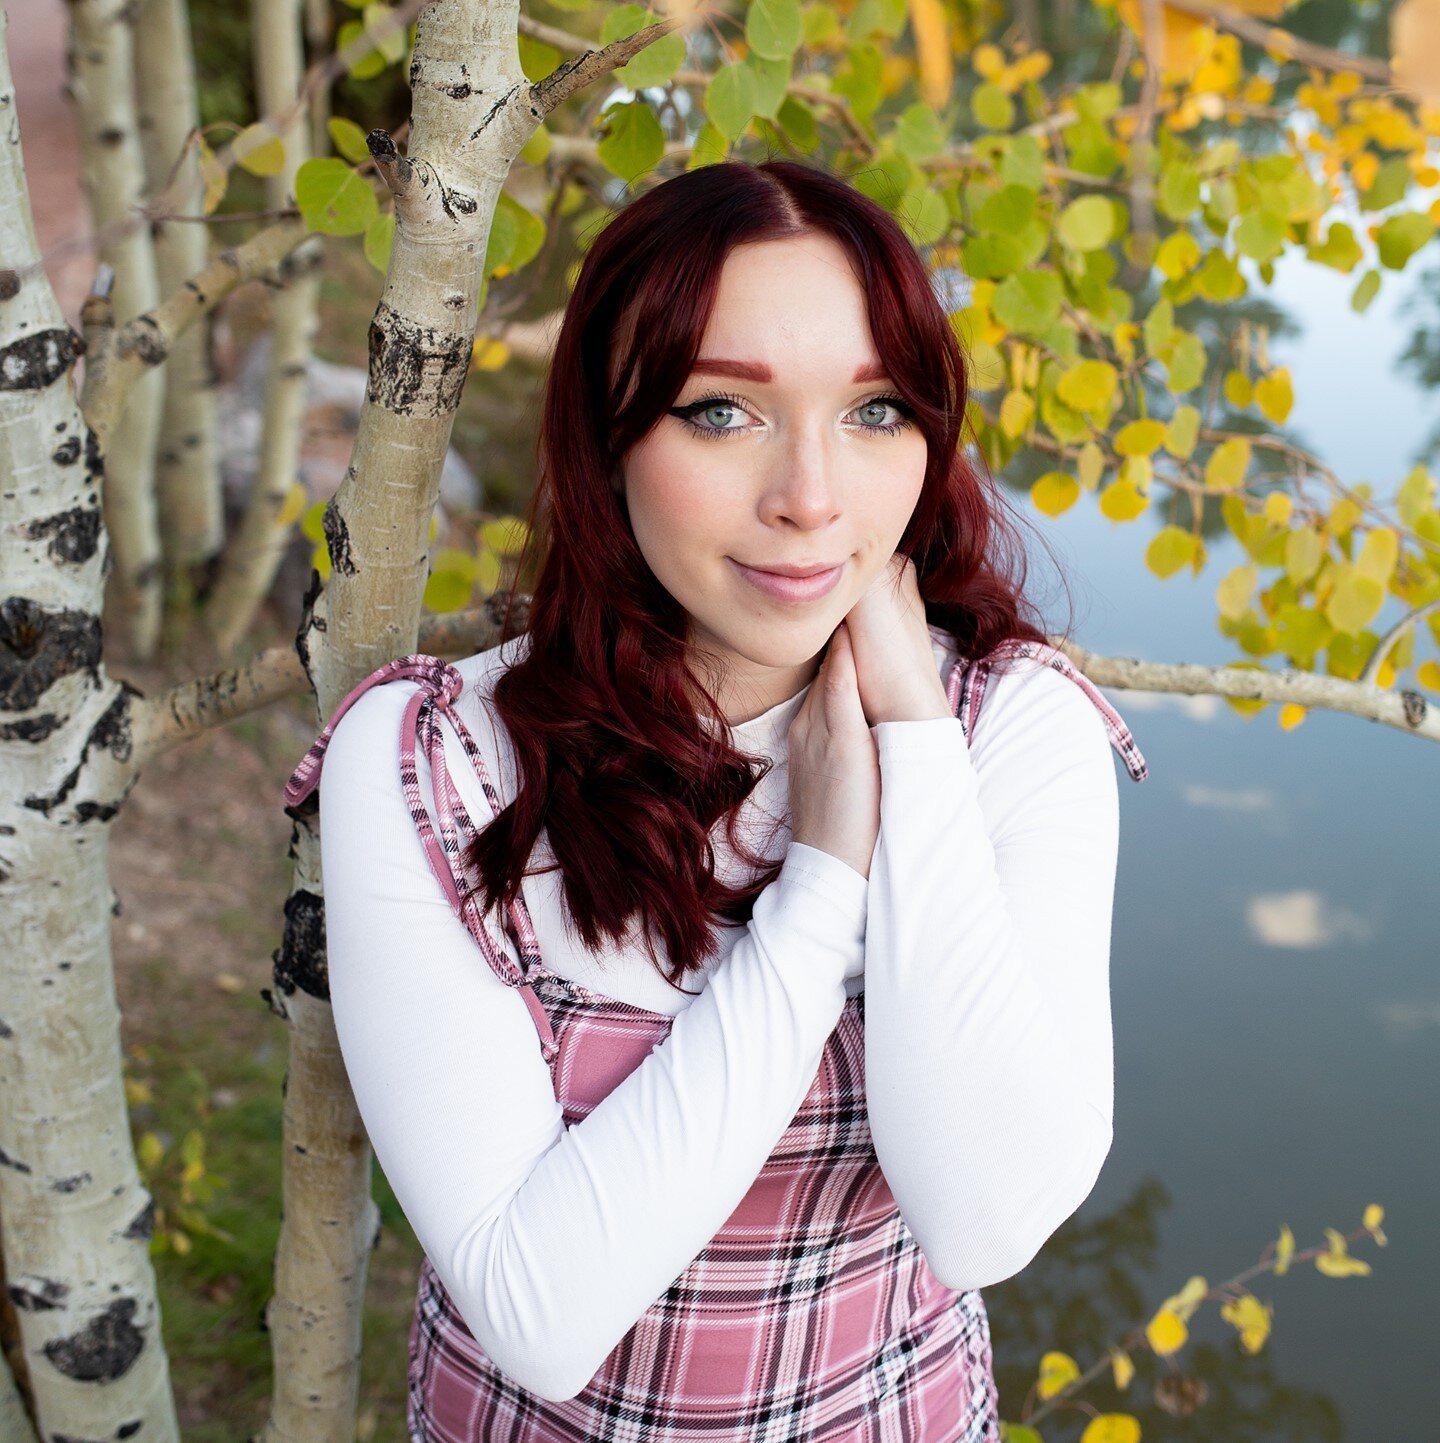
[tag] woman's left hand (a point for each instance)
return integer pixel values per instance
(894, 656)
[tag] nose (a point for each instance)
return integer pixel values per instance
(804, 489)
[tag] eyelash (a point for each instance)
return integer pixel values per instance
(689, 412)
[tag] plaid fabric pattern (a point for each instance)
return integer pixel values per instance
(812, 1314)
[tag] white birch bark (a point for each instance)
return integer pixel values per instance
(192, 522)
(254, 553)
(102, 82)
(78, 1219)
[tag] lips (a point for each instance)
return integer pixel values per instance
(790, 588)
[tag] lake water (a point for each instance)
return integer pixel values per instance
(1275, 983)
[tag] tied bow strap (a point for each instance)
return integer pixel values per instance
(440, 685)
(967, 684)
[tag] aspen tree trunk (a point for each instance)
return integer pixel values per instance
(192, 523)
(256, 550)
(102, 80)
(78, 1219)
(472, 112)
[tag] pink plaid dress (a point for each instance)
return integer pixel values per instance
(812, 1314)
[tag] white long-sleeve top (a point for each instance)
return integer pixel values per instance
(981, 940)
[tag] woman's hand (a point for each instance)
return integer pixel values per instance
(834, 766)
(894, 659)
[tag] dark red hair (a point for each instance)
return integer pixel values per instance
(602, 709)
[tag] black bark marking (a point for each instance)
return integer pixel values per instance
(74, 534)
(337, 539)
(94, 460)
(1415, 707)
(7, 1161)
(9, 285)
(142, 1225)
(6, 1031)
(70, 1184)
(415, 370)
(129, 1430)
(105, 1350)
(300, 960)
(32, 729)
(494, 110)
(112, 733)
(146, 341)
(42, 1297)
(67, 453)
(34, 362)
(39, 645)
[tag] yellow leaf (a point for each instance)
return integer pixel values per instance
(489, 354)
(1428, 675)
(1122, 1367)
(1055, 493)
(180, 1241)
(1378, 554)
(1140, 438)
(1354, 603)
(1088, 386)
(1182, 432)
(215, 176)
(259, 150)
(506, 535)
(150, 1151)
(931, 27)
(1275, 395)
(1228, 463)
(1120, 501)
(1251, 1317)
(1057, 1372)
(1235, 590)
(1415, 46)
(1111, 1428)
(1284, 1250)
(137, 1092)
(1137, 471)
(1338, 1263)
(1278, 508)
(1291, 715)
(1166, 1332)
(296, 500)
(988, 61)
(1016, 412)
(1303, 552)
(1184, 38)
(229, 982)
(1238, 390)
(1184, 1303)
(1170, 549)
(1371, 1221)
(1091, 465)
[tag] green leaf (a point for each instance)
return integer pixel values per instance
(656, 64)
(348, 139)
(1185, 362)
(919, 132)
(730, 99)
(1022, 162)
(1087, 223)
(633, 142)
(1007, 210)
(1365, 292)
(1401, 236)
(1182, 432)
(772, 81)
(773, 28)
(369, 65)
(1260, 234)
(1171, 548)
(1179, 191)
(447, 590)
(1028, 302)
(992, 107)
(333, 198)
(379, 239)
(1391, 182)
(1339, 249)
(924, 214)
(260, 150)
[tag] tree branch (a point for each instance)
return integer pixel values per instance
(144, 342)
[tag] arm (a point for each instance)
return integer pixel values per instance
(988, 1048)
(553, 1241)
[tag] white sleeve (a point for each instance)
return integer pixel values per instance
(988, 1047)
(553, 1241)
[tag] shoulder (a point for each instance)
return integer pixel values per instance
(1039, 730)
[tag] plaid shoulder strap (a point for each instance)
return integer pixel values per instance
(440, 684)
(968, 682)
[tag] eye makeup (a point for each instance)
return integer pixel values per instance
(688, 412)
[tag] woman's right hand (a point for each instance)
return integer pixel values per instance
(834, 766)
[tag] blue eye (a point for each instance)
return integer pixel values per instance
(724, 401)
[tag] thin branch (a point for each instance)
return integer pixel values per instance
(1372, 669)
(591, 65)
(145, 341)
(1282, 42)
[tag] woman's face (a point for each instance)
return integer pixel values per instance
(803, 464)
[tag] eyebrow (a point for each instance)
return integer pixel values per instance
(759, 371)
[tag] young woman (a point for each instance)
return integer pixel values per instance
(750, 1010)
